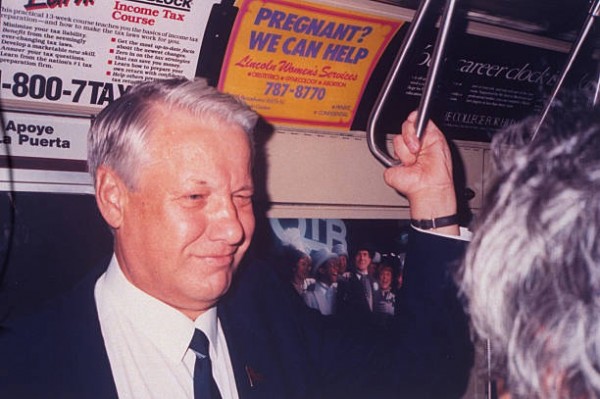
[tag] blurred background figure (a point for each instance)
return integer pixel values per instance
(372, 269)
(531, 275)
(384, 298)
(355, 294)
(399, 277)
(295, 261)
(342, 252)
(321, 294)
(295, 267)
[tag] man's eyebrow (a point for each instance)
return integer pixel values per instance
(199, 181)
(245, 187)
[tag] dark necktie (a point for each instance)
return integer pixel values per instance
(366, 282)
(205, 386)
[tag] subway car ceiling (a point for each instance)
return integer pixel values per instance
(550, 18)
(502, 60)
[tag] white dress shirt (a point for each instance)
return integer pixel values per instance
(147, 342)
(321, 296)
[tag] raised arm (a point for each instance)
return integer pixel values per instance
(433, 352)
(425, 173)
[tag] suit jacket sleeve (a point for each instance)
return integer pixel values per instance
(433, 350)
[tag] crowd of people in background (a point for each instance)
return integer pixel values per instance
(365, 286)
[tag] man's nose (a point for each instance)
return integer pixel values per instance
(226, 224)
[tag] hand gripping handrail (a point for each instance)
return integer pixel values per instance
(430, 81)
(575, 49)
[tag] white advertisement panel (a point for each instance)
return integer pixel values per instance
(44, 136)
(86, 52)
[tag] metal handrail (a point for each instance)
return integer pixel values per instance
(575, 49)
(430, 81)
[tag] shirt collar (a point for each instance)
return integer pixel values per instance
(166, 327)
(321, 285)
(360, 274)
(207, 323)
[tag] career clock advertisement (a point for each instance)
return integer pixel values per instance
(87, 52)
(300, 63)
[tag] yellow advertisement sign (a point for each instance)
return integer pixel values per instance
(299, 63)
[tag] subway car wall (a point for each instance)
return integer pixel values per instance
(317, 178)
(487, 83)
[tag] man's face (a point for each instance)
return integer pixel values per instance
(302, 268)
(329, 271)
(385, 278)
(189, 220)
(362, 260)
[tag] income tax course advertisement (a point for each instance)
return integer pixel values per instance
(301, 63)
(88, 52)
(37, 141)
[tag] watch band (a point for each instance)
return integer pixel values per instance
(428, 224)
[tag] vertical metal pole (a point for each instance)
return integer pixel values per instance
(575, 49)
(597, 91)
(430, 82)
(488, 355)
(399, 62)
(434, 70)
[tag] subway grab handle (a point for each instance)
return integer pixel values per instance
(575, 50)
(430, 82)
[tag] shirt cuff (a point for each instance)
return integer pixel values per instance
(465, 234)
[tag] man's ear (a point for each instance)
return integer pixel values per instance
(111, 196)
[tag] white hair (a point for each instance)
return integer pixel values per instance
(531, 275)
(120, 132)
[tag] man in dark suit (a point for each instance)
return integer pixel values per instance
(355, 294)
(171, 162)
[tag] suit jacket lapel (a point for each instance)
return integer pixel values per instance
(90, 367)
(253, 361)
(263, 335)
(58, 352)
